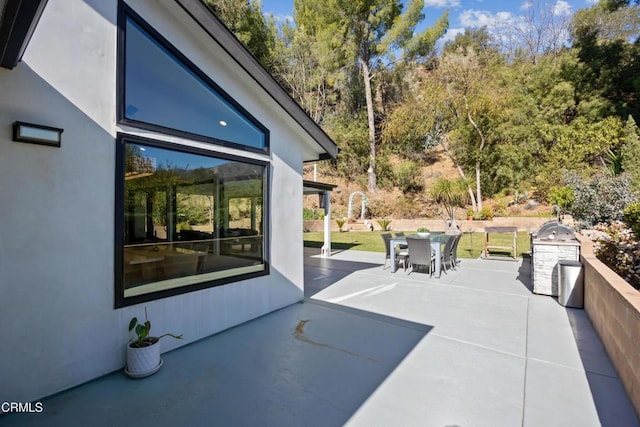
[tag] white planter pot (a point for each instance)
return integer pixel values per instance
(143, 361)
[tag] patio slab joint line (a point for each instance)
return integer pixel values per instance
(526, 362)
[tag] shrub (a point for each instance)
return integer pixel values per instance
(631, 216)
(183, 225)
(486, 213)
(379, 208)
(561, 196)
(616, 247)
(407, 177)
(340, 222)
(312, 214)
(384, 223)
(600, 200)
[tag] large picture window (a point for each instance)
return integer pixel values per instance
(186, 220)
(162, 90)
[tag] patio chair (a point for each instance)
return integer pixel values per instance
(401, 255)
(454, 251)
(446, 257)
(402, 246)
(420, 254)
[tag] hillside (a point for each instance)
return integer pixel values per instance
(393, 203)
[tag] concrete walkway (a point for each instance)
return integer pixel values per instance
(375, 348)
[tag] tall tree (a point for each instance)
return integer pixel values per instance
(475, 98)
(606, 37)
(542, 28)
(631, 153)
(375, 35)
(298, 66)
(245, 20)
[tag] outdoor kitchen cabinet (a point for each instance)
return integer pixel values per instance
(554, 242)
(545, 255)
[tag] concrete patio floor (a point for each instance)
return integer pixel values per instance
(373, 348)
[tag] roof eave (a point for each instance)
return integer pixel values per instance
(18, 21)
(200, 13)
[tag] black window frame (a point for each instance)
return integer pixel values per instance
(124, 12)
(121, 140)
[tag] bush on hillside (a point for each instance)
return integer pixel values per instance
(600, 200)
(631, 216)
(616, 247)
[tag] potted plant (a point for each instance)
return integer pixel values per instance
(143, 352)
(340, 222)
(469, 214)
(423, 232)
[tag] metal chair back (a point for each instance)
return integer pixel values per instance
(420, 254)
(454, 250)
(447, 262)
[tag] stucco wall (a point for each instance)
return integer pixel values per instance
(614, 309)
(58, 324)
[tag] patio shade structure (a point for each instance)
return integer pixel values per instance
(324, 192)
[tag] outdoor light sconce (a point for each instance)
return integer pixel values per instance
(37, 134)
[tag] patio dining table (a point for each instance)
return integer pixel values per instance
(436, 240)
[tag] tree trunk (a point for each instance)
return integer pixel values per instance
(372, 184)
(461, 172)
(482, 142)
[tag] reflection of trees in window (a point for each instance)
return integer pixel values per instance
(181, 221)
(136, 163)
(161, 201)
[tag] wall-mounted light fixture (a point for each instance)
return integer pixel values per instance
(37, 134)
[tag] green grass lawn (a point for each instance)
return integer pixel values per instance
(470, 246)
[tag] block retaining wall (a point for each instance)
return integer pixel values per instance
(613, 306)
(523, 223)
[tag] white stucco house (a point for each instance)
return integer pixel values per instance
(146, 160)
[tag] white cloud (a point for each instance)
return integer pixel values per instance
(562, 8)
(592, 2)
(442, 3)
(450, 35)
(280, 18)
(479, 18)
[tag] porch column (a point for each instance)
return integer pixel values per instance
(326, 248)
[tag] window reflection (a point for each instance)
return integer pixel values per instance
(189, 218)
(161, 90)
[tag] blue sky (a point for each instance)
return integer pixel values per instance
(463, 13)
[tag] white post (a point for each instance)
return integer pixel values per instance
(326, 248)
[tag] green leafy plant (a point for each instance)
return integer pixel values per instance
(183, 225)
(341, 222)
(600, 199)
(142, 331)
(384, 223)
(486, 213)
(631, 215)
(616, 247)
(470, 213)
(312, 214)
(450, 194)
(561, 196)
(407, 177)
(423, 230)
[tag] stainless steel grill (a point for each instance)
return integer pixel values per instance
(553, 242)
(553, 230)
